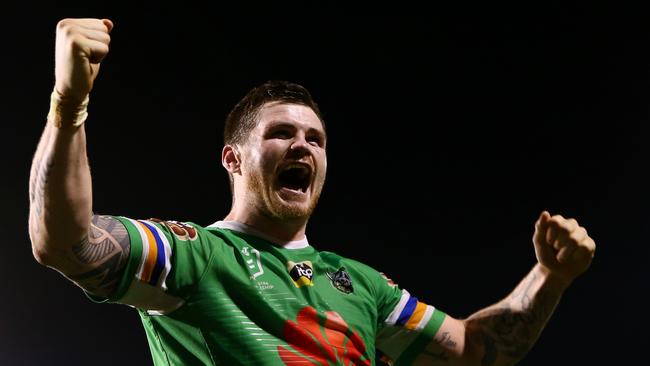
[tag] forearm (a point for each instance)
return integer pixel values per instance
(503, 333)
(60, 192)
(507, 330)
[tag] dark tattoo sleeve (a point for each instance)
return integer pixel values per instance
(104, 252)
(509, 330)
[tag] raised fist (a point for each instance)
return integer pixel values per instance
(81, 44)
(562, 246)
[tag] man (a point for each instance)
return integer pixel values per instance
(250, 289)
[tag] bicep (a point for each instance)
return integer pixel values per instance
(449, 346)
(97, 262)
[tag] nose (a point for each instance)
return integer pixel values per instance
(299, 147)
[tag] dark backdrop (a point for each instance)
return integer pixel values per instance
(450, 130)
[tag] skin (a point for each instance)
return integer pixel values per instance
(285, 134)
(91, 250)
(503, 333)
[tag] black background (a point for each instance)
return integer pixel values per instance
(450, 130)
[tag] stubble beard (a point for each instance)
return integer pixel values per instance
(272, 206)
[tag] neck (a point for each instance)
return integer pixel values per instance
(283, 229)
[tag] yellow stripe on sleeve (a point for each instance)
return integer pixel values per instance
(417, 315)
(150, 263)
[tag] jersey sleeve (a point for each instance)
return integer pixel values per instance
(406, 325)
(166, 261)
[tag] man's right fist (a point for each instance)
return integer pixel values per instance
(81, 44)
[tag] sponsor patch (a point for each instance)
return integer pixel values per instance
(181, 230)
(302, 273)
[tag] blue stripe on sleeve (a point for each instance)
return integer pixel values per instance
(160, 258)
(409, 308)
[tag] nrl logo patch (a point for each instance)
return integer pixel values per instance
(341, 280)
(301, 273)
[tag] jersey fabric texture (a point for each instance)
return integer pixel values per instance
(227, 295)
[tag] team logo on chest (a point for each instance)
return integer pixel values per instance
(302, 273)
(341, 280)
(253, 262)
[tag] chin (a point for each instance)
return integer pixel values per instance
(295, 211)
(287, 209)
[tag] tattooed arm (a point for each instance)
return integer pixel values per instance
(100, 257)
(503, 333)
(60, 227)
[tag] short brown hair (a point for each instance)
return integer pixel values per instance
(242, 118)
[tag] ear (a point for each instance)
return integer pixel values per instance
(230, 159)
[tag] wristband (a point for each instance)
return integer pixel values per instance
(61, 114)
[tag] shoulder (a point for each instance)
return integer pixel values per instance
(352, 265)
(364, 276)
(182, 229)
(174, 231)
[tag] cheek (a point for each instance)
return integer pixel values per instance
(252, 163)
(266, 161)
(323, 168)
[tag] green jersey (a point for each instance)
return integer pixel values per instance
(228, 295)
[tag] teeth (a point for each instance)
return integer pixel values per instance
(295, 166)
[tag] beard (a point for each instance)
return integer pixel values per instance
(271, 205)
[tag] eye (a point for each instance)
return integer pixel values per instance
(280, 134)
(315, 140)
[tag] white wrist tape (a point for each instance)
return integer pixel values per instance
(62, 114)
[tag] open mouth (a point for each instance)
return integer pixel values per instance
(295, 176)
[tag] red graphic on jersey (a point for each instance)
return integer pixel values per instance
(390, 281)
(321, 339)
(182, 230)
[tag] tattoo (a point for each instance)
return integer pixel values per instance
(490, 351)
(511, 328)
(105, 233)
(445, 340)
(105, 250)
(37, 184)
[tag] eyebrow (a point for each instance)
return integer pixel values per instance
(280, 123)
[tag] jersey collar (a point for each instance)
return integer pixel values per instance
(246, 229)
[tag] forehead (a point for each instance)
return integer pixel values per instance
(295, 114)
